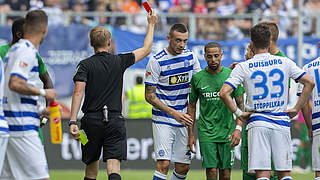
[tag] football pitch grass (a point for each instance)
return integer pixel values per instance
(148, 174)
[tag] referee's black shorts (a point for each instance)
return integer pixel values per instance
(109, 137)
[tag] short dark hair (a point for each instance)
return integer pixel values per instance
(35, 21)
(139, 80)
(260, 36)
(212, 45)
(179, 27)
(273, 29)
(17, 30)
(17, 27)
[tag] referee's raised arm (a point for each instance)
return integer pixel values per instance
(147, 45)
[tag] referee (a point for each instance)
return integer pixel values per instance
(100, 77)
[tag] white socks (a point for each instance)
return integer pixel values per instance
(158, 176)
(176, 176)
(287, 178)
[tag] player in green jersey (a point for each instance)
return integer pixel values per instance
(17, 34)
(244, 142)
(216, 127)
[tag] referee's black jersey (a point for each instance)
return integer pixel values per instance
(103, 74)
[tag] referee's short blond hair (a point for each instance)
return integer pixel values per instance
(99, 37)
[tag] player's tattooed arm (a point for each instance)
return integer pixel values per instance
(21, 86)
(236, 135)
(240, 103)
(192, 112)
(151, 98)
(192, 109)
(47, 82)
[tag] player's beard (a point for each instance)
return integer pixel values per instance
(214, 68)
(178, 51)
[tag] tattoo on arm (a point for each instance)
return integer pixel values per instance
(151, 92)
(151, 97)
(239, 101)
(19, 85)
(192, 112)
(47, 82)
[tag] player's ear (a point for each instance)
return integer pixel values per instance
(168, 38)
(270, 43)
(109, 43)
(19, 35)
(251, 44)
(45, 30)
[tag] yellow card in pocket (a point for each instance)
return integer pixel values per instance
(83, 137)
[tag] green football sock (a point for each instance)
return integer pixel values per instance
(274, 176)
(247, 176)
(307, 155)
(298, 156)
(41, 136)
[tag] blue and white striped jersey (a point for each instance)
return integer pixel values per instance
(3, 122)
(21, 111)
(171, 75)
(265, 78)
(312, 69)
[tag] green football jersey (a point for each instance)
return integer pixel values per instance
(42, 67)
(216, 121)
(280, 53)
(3, 50)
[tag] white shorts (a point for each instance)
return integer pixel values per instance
(171, 143)
(25, 159)
(316, 153)
(3, 148)
(264, 143)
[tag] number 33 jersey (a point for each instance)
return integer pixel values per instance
(265, 78)
(312, 69)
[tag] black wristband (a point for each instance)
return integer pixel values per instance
(72, 122)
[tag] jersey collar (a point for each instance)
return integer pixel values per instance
(28, 43)
(261, 55)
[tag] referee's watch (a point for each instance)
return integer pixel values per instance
(72, 122)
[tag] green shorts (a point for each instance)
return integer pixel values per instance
(244, 149)
(304, 133)
(217, 155)
(41, 135)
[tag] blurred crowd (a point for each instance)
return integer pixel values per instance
(284, 11)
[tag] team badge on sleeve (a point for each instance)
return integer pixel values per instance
(23, 64)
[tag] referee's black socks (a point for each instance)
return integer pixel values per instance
(85, 178)
(114, 176)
